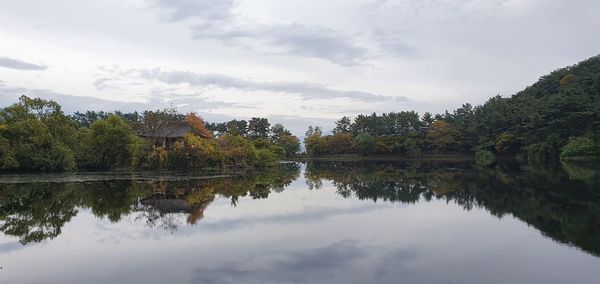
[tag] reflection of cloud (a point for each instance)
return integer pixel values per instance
(346, 261)
(306, 216)
(10, 246)
(205, 227)
(19, 65)
(306, 266)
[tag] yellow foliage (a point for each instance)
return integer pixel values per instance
(204, 147)
(198, 126)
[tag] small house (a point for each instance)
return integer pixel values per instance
(166, 135)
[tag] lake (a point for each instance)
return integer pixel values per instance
(312, 222)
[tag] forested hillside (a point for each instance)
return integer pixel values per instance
(558, 115)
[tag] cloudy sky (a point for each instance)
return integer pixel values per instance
(299, 62)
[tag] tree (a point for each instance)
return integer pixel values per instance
(568, 80)
(427, 119)
(290, 144)
(258, 127)
(237, 127)
(366, 143)
(316, 130)
(442, 136)
(580, 147)
(237, 151)
(106, 144)
(277, 131)
(282, 137)
(36, 135)
(314, 142)
(597, 83)
(340, 143)
(344, 124)
(197, 124)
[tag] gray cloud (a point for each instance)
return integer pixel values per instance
(207, 11)
(306, 90)
(214, 20)
(393, 43)
(19, 64)
(294, 39)
(71, 104)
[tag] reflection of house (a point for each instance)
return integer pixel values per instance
(167, 205)
(166, 135)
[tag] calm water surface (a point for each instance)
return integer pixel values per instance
(319, 222)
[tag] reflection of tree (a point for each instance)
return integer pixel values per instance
(38, 211)
(563, 204)
(35, 212)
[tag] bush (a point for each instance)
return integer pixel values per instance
(366, 143)
(106, 144)
(579, 147)
(237, 151)
(7, 155)
(484, 158)
(140, 152)
(265, 158)
(542, 152)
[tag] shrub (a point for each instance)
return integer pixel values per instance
(366, 143)
(484, 158)
(543, 151)
(107, 144)
(237, 151)
(579, 147)
(265, 158)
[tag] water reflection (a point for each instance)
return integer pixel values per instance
(562, 202)
(37, 211)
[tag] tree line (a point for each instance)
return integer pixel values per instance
(558, 116)
(35, 134)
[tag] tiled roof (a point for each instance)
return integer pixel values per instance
(176, 129)
(171, 130)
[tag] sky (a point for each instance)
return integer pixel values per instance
(299, 62)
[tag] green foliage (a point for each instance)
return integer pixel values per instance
(290, 144)
(580, 147)
(265, 157)
(410, 146)
(340, 143)
(258, 128)
(36, 135)
(442, 136)
(568, 80)
(484, 157)
(536, 122)
(237, 151)
(344, 124)
(139, 150)
(506, 143)
(284, 140)
(107, 144)
(314, 142)
(366, 143)
(542, 152)
(8, 159)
